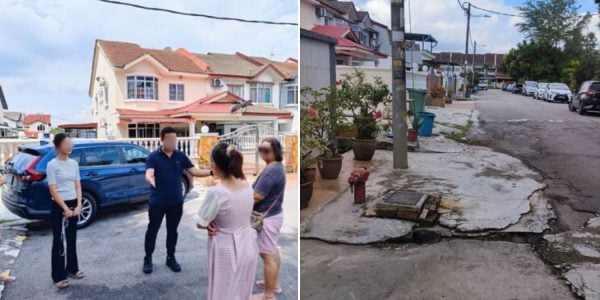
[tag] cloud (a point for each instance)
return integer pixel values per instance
(46, 47)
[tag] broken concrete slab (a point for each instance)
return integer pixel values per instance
(450, 269)
(584, 280)
(537, 220)
(341, 221)
(574, 246)
(480, 189)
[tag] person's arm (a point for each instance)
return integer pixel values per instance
(51, 175)
(77, 209)
(189, 166)
(208, 211)
(264, 184)
(150, 177)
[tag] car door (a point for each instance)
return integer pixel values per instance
(107, 174)
(135, 158)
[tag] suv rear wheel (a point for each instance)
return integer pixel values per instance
(580, 109)
(89, 208)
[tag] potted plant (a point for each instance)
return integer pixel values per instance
(363, 100)
(306, 182)
(319, 121)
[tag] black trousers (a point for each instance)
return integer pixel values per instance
(155, 214)
(59, 267)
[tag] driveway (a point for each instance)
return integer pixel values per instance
(111, 251)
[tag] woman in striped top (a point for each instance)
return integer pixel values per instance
(65, 188)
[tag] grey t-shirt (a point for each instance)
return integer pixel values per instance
(63, 173)
(271, 184)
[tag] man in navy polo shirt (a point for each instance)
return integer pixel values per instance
(165, 173)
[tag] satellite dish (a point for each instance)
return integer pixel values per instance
(204, 129)
(415, 66)
(424, 68)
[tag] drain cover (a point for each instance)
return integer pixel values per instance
(406, 200)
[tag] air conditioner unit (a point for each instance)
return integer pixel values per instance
(216, 82)
(321, 12)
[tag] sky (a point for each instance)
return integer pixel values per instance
(46, 46)
(445, 20)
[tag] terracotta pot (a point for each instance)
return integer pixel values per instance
(412, 135)
(310, 174)
(364, 149)
(306, 191)
(330, 168)
(348, 133)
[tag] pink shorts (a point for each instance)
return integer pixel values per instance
(267, 237)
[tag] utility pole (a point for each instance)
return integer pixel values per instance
(473, 62)
(399, 127)
(468, 11)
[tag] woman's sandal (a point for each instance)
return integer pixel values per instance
(261, 284)
(77, 275)
(62, 284)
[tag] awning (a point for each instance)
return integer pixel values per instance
(156, 120)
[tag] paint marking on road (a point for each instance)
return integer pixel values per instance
(517, 120)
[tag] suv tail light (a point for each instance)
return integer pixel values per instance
(591, 93)
(31, 175)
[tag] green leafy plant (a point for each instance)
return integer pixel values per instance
(364, 101)
(320, 119)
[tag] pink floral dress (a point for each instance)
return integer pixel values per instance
(233, 252)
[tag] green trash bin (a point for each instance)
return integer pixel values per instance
(418, 97)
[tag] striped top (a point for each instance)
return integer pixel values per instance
(63, 173)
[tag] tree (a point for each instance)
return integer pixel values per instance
(550, 21)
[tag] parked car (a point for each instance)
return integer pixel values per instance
(587, 97)
(529, 88)
(517, 88)
(482, 87)
(112, 175)
(557, 91)
(541, 88)
(506, 85)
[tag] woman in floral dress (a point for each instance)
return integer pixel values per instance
(233, 251)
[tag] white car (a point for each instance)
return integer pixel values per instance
(558, 92)
(541, 89)
(529, 88)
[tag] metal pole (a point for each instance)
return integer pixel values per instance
(473, 62)
(467, 45)
(399, 127)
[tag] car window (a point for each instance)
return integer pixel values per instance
(101, 156)
(76, 155)
(134, 155)
(595, 86)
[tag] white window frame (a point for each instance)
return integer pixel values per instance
(135, 98)
(241, 86)
(176, 84)
(287, 87)
(261, 86)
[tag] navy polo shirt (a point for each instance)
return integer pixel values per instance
(168, 175)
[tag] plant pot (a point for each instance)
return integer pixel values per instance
(347, 133)
(412, 135)
(363, 149)
(306, 191)
(310, 174)
(330, 168)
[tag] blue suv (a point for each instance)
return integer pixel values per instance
(112, 174)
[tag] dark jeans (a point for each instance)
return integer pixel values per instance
(155, 214)
(59, 268)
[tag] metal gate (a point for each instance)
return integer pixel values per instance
(247, 139)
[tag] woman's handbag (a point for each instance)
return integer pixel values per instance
(257, 218)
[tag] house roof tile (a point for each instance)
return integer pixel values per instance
(43, 118)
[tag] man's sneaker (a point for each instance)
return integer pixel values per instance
(173, 265)
(148, 265)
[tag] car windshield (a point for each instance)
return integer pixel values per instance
(530, 84)
(559, 86)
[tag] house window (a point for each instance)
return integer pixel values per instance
(176, 92)
(41, 127)
(260, 92)
(142, 87)
(144, 130)
(236, 89)
(292, 94)
(328, 21)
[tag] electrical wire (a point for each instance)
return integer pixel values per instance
(495, 12)
(196, 14)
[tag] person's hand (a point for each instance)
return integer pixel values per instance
(68, 213)
(151, 181)
(77, 211)
(212, 229)
(2, 180)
